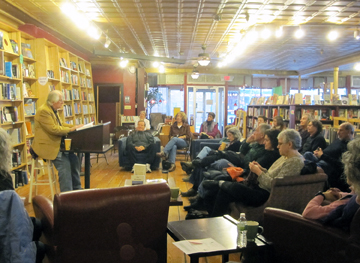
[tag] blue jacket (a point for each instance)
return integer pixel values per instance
(16, 230)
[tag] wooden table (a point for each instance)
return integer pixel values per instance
(221, 229)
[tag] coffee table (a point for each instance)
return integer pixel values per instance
(221, 229)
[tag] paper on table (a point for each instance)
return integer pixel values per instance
(86, 126)
(199, 245)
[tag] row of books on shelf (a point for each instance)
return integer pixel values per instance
(64, 76)
(63, 63)
(77, 108)
(16, 158)
(89, 119)
(10, 91)
(299, 98)
(15, 135)
(79, 120)
(28, 70)
(19, 178)
(68, 110)
(90, 96)
(73, 65)
(88, 109)
(74, 79)
(30, 107)
(9, 114)
(88, 82)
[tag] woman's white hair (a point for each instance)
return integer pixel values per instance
(291, 135)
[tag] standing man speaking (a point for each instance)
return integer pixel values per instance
(49, 137)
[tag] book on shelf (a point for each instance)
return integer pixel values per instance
(336, 99)
(353, 99)
(27, 88)
(286, 99)
(15, 71)
(14, 46)
(30, 107)
(6, 42)
(8, 69)
(1, 40)
(344, 100)
(298, 98)
(16, 158)
(15, 135)
(63, 62)
(343, 113)
(327, 99)
(308, 99)
(29, 128)
(280, 100)
(317, 100)
(26, 50)
(2, 63)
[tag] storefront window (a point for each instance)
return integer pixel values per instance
(171, 97)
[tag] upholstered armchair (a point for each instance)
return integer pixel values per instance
(297, 240)
(290, 193)
(124, 159)
(126, 224)
(198, 144)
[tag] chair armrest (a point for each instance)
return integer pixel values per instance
(302, 179)
(44, 211)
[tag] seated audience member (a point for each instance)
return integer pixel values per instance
(233, 135)
(209, 188)
(19, 233)
(141, 141)
(315, 209)
(330, 159)
(304, 122)
(209, 128)
(260, 120)
(278, 123)
(289, 164)
(315, 140)
(142, 117)
(341, 215)
(180, 138)
(252, 149)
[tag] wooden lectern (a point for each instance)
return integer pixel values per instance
(95, 139)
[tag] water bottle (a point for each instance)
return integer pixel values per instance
(242, 241)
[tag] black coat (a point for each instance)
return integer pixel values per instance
(313, 142)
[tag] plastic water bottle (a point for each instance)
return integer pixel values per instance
(242, 241)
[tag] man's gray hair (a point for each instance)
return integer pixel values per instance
(291, 135)
(53, 97)
(351, 161)
(5, 151)
(349, 127)
(235, 131)
(309, 117)
(264, 127)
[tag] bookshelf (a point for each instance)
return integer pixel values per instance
(72, 76)
(17, 77)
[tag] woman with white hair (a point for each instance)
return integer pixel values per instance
(5, 164)
(289, 164)
(142, 117)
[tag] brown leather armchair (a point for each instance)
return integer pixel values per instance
(291, 193)
(296, 239)
(126, 224)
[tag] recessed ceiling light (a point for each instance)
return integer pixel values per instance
(299, 33)
(333, 35)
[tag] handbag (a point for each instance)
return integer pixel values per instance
(235, 173)
(251, 180)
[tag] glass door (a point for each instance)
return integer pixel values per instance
(201, 101)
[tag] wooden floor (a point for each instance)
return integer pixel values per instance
(110, 175)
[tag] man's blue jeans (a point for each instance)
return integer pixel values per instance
(172, 146)
(68, 168)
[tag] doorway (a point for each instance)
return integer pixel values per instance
(201, 101)
(108, 99)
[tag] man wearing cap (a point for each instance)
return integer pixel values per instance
(209, 128)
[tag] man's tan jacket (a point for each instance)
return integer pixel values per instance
(48, 133)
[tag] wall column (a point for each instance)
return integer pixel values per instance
(336, 80)
(299, 88)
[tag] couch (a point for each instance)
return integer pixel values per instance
(290, 193)
(126, 224)
(198, 144)
(296, 239)
(124, 159)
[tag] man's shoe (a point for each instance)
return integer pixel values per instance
(196, 163)
(172, 167)
(193, 198)
(148, 169)
(161, 155)
(190, 192)
(186, 179)
(187, 167)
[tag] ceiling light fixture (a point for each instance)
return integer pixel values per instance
(107, 42)
(333, 35)
(123, 63)
(161, 69)
(156, 64)
(265, 33)
(299, 33)
(357, 34)
(279, 32)
(195, 74)
(94, 32)
(204, 58)
(357, 66)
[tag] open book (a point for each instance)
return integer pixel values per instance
(86, 126)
